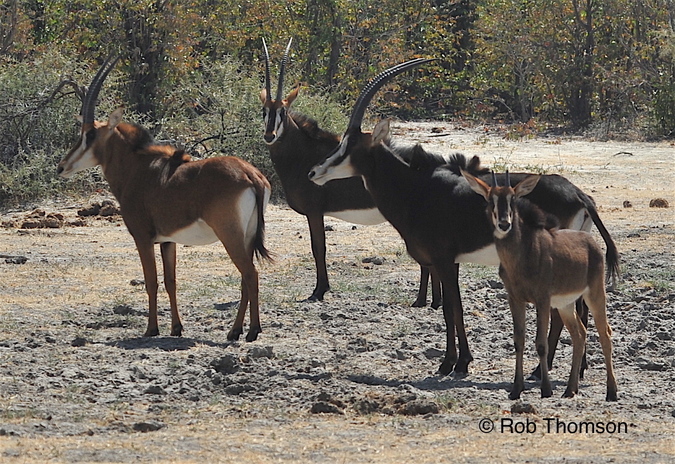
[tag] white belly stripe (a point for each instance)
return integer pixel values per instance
(197, 233)
(367, 217)
(487, 256)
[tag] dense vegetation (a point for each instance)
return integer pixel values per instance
(191, 70)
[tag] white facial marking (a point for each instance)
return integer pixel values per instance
(79, 159)
(197, 233)
(366, 217)
(328, 171)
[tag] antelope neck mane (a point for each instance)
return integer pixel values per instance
(311, 129)
(136, 136)
(534, 217)
(421, 160)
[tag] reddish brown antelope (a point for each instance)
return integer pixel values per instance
(166, 198)
(438, 216)
(548, 267)
(296, 144)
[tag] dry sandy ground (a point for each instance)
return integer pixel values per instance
(348, 380)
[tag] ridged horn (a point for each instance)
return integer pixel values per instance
(494, 179)
(268, 84)
(282, 70)
(89, 103)
(374, 85)
(508, 179)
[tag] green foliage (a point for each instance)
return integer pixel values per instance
(191, 71)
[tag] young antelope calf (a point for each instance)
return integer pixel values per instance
(548, 267)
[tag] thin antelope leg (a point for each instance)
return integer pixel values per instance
(577, 331)
(541, 342)
(597, 305)
(518, 314)
(436, 298)
(453, 314)
(317, 234)
(436, 293)
(582, 311)
(421, 300)
(147, 254)
(169, 262)
(243, 260)
(554, 336)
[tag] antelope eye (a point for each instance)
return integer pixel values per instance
(264, 113)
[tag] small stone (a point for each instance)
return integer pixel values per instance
(261, 352)
(228, 364)
(148, 426)
(419, 408)
(91, 210)
(523, 408)
(627, 204)
(432, 353)
(495, 284)
(78, 341)
(155, 390)
(323, 407)
(658, 203)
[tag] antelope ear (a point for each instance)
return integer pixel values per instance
(263, 96)
(115, 118)
(292, 96)
(381, 133)
(526, 185)
(477, 185)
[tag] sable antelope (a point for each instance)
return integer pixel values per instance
(543, 265)
(166, 198)
(296, 143)
(436, 213)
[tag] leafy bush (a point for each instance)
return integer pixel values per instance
(213, 111)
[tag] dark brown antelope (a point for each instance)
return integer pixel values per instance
(438, 216)
(548, 267)
(166, 198)
(296, 144)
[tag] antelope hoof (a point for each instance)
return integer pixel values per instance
(612, 396)
(569, 393)
(536, 374)
(177, 330)
(462, 366)
(446, 367)
(151, 332)
(235, 333)
(436, 304)
(515, 393)
(252, 334)
(419, 303)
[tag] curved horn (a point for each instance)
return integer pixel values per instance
(374, 85)
(282, 71)
(89, 103)
(494, 179)
(268, 85)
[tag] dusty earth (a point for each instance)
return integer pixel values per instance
(351, 379)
